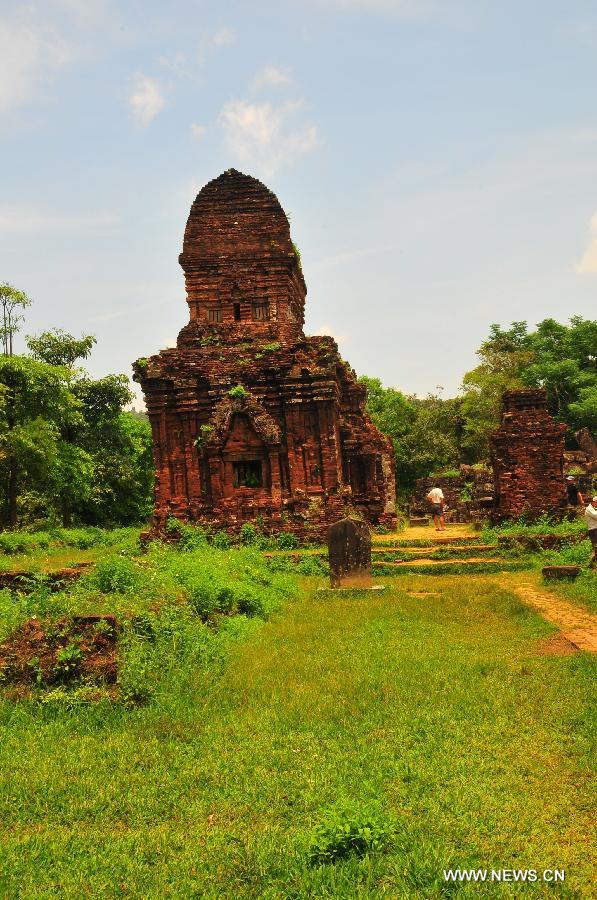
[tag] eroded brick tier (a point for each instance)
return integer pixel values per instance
(251, 420)
(527, 454)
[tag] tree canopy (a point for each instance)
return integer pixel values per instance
(69, 450)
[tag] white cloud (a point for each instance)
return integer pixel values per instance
(224, 37)
(29, 55)
(588, 263)
(198, 131)
(271, 76)
(145, 99)
(265, 136)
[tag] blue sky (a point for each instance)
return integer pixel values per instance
(437, 160)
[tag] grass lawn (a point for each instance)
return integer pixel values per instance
(434, 714)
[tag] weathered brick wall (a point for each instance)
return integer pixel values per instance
(299, 417)
(527, 453)
(468, 495)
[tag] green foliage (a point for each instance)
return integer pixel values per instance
(271, 348)
(543, 525)
(248, 534)
(287, 541)
(11, 300)
(221, 540)
(67, 447)
(467, 492)
(68, 660)
(204, 432)
(424, 432)
(250, 737)
(560, 358)
(115, 574)
(238, 392)
(356, 833)
(297, 253)
(59, 348)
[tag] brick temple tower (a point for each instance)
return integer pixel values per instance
(527, 454)
(251, 420)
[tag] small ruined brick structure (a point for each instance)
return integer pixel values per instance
(251, 420)
(527, 454)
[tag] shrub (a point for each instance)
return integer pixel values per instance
(114, 575)
(287, 541)
(248, 534)
(221, 540)
(67, 661)
(354, 834)
(238, 392)
(192, 537)
(467, 492)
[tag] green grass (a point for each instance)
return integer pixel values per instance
(335, 747)
(543, 525)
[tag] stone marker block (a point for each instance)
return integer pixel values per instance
(561, 572)
(349, 549)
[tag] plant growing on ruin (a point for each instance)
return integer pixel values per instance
(204, 433)
(467, 491)
(238, 392)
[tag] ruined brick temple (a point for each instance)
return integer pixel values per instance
(251, 419)
(527, 454)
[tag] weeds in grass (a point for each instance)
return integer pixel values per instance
(356, 833)
(543, 525)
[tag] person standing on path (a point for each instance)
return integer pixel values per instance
(575, 498)
(591, 519)
(436, 498)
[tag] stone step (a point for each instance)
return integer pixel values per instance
(470, 566)
(451, 548)
(425, 560)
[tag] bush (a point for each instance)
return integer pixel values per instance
(192, 537)
(248, 534)
(287, 541)
(238, 392)
(114, 575)
(221, 540)
(353, 834)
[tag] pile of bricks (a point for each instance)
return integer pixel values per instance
(252, 420)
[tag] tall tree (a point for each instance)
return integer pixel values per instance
(562, 359)
(37, 404)
(11, 300)
(424, 431)
(59, 348)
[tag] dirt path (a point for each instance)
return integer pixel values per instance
(577, 626)
(429, 533)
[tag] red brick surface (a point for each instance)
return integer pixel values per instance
(300, 417)
(527, 456)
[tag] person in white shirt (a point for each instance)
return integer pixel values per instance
(436, 498)
(591, 519)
